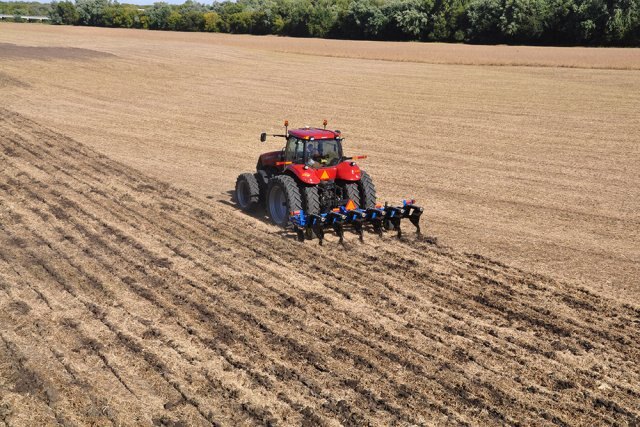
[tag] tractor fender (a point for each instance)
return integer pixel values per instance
(306, 176)
(347, 172)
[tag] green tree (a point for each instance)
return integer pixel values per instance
(158, 16)
(588, 20)
(212, 22)
(364, 20)
(295, 17)
(192, 20)
(18, 13)
(523, 20)
(174, 21)
(91, 12)
(623, 18)
(322, 18)
(414, 20)
(64, 13)
(240, 23)
(122, 16)
(484, 20)
(448, 20)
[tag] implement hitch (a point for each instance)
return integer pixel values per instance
(381, 218)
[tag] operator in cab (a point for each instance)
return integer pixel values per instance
(314, 158)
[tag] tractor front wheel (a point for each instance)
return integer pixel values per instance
(247, 193)
(310, 199)
(367, 191)
(283, 197)
(350, 191)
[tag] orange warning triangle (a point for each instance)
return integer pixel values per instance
(324, 175)
(350, 205)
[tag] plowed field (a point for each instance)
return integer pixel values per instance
(126, 300)
(132, 292)
(538, 167)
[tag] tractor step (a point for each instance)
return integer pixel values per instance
(382, 218)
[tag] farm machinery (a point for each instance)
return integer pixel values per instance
(311, 186)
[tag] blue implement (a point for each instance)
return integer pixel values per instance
(380, 218)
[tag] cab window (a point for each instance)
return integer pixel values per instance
(294, 150)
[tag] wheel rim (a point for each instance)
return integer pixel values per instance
(278, 205)
(242, 194)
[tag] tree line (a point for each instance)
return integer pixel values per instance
(24, 8)
(545, 22)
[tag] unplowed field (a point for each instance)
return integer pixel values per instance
(126, 300)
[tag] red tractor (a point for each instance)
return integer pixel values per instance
(311, 185)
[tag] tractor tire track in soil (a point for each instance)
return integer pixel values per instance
(125, 300)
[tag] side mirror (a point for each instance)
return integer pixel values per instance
(263, 137)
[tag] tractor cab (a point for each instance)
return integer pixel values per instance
(312, 156)
(314, 153)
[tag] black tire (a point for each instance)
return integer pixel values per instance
(310, 199)
(283, 197)
(263, 183)
(351, 192)
(367, 191)
(247, 194)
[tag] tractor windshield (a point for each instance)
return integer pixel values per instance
(323, 153)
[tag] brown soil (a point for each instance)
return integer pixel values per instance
(6, 80)
(431, 53)
(126, 300)
(536, 167)
(133, 293)
(13, 51)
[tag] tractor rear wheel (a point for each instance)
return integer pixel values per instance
(263, 183)
(310, 199)
(367, 191)
(351, 191)
(283, 197)
(247, 194)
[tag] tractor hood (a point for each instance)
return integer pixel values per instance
(270, 159)
(343, 171)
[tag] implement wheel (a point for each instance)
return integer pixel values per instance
(283, 197)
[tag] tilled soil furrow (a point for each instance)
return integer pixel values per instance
(97, 343)
(528, 398)
(18, 377)
(76, 292)
(96, 237)
(210, 318)
(96, 297)
(396, 357)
